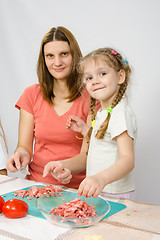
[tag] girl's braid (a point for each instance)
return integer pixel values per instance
(120, 94)
(93, 108)
(93, 114)
(101, 132)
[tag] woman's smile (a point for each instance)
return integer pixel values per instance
(59, 69)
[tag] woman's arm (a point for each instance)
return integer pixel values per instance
(26, 127)
(23, 152)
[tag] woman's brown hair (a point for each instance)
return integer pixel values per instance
(46, 80)
(117, 62)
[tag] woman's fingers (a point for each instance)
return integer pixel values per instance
(13, 165)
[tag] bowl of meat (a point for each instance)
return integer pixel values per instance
(67, 209)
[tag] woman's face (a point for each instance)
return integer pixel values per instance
(58, 59)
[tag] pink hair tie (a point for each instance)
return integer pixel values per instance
(113, 53)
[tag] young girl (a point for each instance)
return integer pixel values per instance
(110, 160)
(3, 151)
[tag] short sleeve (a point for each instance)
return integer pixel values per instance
(122, 121)
(26, 100)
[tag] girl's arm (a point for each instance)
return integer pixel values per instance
(77, 124)
(74, 164)
(125, 163)
(23, 152)
(78, 162)
(62, 169)
(93, 185)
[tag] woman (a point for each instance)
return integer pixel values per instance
(45, 108)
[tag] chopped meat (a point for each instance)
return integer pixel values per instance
(37, 191)
(74, 209)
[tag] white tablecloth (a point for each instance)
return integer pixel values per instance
(137, 221)
(29, 227)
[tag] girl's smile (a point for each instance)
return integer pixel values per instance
(98, 88)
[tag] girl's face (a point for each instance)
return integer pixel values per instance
(58, 59)
(102, 81)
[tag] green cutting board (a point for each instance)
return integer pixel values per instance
(34, 211)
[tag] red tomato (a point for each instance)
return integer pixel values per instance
(15, 208)
(1, 203)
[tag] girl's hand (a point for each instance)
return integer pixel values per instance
(77, 124)
(91, 186)
(21, 158)
(63, 175)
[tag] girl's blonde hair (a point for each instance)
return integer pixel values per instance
(114, 59)
(3, 135)
(46, 80)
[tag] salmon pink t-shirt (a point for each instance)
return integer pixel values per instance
(53, 141)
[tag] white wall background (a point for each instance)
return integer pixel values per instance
(133, 27)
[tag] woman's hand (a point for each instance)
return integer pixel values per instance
(91, 186)
(77, 124)
(63, 175)
(20, 158)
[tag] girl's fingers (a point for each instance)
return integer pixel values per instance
(83, 189)
(80, 190)
(96, 193)
(69, 122)
(91, 191)
(74, 118)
